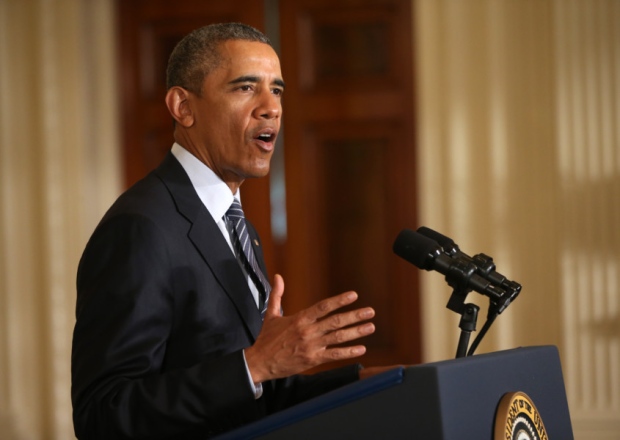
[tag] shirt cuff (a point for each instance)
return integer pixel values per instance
(257, 388)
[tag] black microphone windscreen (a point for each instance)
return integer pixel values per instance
(415, 248)
(446, 243)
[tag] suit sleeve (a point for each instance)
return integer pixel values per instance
(299, 388)
(124, 317)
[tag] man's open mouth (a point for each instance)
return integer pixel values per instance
(266, 137)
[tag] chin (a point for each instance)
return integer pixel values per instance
(260, 169)
(260, 173)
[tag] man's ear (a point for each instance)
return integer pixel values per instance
(177, 101)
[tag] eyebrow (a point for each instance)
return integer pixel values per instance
(255, 79)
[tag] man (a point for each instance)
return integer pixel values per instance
(177, 334)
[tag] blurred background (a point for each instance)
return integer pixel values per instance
(494, 122)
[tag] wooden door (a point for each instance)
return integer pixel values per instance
(350, 158)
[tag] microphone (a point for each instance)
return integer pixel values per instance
(430, 250)
(484, 266)
(425, 253)
(483, 262)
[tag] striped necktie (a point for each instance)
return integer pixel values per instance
(245, 253)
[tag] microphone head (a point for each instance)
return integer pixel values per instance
(416, 248)
(446, 243)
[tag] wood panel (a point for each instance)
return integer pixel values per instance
(350, 160)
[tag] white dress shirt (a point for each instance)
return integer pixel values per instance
(217, 198)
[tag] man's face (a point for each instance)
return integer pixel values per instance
(238, 116)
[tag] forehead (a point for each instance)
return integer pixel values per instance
(245, 57)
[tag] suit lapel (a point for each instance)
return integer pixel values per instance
(207, 237)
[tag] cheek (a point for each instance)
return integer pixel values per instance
(233, 124)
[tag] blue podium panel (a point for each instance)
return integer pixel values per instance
(317, 406)
(448, 400)
(465, 393)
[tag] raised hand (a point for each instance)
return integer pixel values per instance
(289, 345)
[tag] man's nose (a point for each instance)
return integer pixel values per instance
(269, 106)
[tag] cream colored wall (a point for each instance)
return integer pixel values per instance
(519, 158)
(58, 172)
(519, 106)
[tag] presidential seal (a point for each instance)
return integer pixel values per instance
(518, 419)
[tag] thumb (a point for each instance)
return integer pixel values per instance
(274, 305)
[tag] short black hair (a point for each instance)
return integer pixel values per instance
(197, 54)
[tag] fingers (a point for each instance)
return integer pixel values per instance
(348, 334)
(289, 345)
(327, 306)
(342, 336)
(274, 305)
(341, 320)
(338, 354)
(337, 328)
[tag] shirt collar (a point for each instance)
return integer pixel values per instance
(212, 191)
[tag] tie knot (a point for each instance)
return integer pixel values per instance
(235, 210)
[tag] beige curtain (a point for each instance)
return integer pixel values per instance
(58, 172)
(519, 158)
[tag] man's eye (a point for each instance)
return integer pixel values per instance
(245, 88)
(277, 92)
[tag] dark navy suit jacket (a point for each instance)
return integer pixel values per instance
(163, 314)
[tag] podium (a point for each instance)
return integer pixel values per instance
(448, 400)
